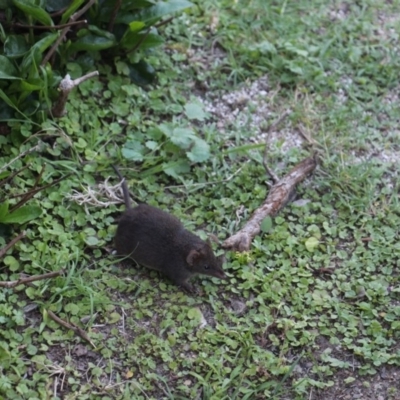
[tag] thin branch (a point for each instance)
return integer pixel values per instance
(59, 12)
(23, 154)
(117, 6)
(322, 270)
(31, 193)
(270, 128)
(84, 78)
(64, 32)
(305, 136)
(27, 196)
(55, 384)
(93, 196)
(25, 281)
(34, 191)
(11, 244)
(276, 123)
(366, 239)
(279, 195)
(137, 45)
(10, 177)
(166, 21)
(69, 325)
(65, 87)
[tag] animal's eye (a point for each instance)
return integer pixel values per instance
(206, 266)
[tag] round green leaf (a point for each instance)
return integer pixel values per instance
(74, 309)
(12, 263)
(195, 314)
(194, 111)
(92, 241)
(311, 243)
(266, 224)
(200, 151)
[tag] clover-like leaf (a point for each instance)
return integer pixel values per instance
(266, 224)
(194, 111)
(133, 150)
(311, 243)
(200, 152)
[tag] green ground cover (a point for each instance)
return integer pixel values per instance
(192, 144)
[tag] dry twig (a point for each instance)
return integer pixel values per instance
(322, 270)
(92, 196)
(12, 175)
(31, 193)
(38, 147)
(28, 195)
(64, 32)
(278, 197)
(25, 281)
(117, 6)
(305, 136)
(66, 85)
(69, 325)
(11, 244)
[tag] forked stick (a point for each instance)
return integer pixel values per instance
(279, 195)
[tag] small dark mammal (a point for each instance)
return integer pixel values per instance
(159, 241)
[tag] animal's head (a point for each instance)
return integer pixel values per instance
(202, 260)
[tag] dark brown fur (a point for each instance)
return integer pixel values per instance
(158, 240)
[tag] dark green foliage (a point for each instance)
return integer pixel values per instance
(33, 62)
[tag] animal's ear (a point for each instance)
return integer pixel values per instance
(192, 257)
